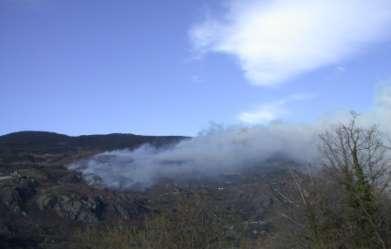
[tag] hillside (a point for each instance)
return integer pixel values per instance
(46, 142)
(40, 197)
(32, 145)
(42, 203)
(274, 203)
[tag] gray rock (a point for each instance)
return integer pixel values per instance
(73, 206)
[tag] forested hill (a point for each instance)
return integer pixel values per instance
(40, 142)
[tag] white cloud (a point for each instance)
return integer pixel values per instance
(272, 111)
(275, 40)
(263, 114)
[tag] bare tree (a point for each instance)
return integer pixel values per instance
(356, 152)
(344, 203)
(357, 158)
(306, 214)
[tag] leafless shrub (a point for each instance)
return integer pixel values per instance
(344, 204)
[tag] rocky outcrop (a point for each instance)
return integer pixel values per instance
(72, 205)
(41, 206)
(15, 191)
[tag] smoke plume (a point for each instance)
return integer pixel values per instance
(219, 150)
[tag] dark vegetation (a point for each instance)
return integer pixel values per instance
(342, 202)
(40, 146)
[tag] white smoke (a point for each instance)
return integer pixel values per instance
(219, 150)
(214, 152)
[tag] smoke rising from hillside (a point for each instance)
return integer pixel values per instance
(219, 150)
(214, 152)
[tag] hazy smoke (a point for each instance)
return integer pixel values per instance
(218, 150)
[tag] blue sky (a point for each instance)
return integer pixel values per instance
(172, 67)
